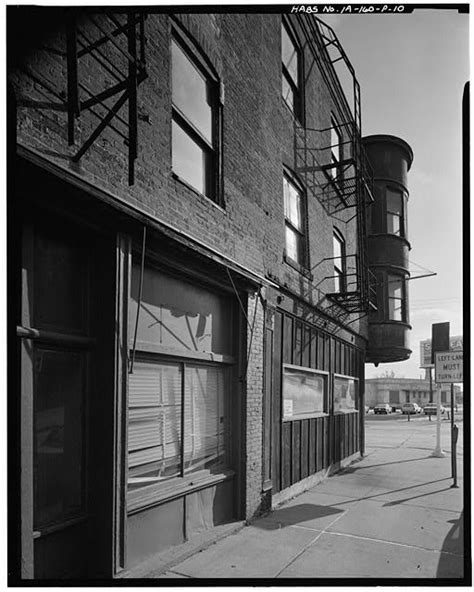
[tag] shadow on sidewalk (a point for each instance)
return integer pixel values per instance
(291, 515)
(453, 545)
(349, 470)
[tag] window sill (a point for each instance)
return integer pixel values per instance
(208, 199)
(154, 495)
(154, 348)
(306, 416)
(300, 268)
(345, 411)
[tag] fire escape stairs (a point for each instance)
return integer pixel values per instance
(338, 184)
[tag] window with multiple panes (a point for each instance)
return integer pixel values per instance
(295, 221)
(195, 120)
(305, 392)
(291, 70)
(395, 215)
(180, 390)
(396, 297)
(339, 246)
(179, 421)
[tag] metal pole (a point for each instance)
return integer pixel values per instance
(437, 451)
(455, 468)
(431, 386)
(454, 437)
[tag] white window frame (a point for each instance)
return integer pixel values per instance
(400, 279)
(302, 231)
(357, 394)
(321, 374)
(340, 272)
(179, 118)
(295, 85)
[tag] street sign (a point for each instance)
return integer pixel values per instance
(449, 367)
(455, 344)
(439, 339)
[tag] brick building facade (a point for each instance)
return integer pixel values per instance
(189, 277)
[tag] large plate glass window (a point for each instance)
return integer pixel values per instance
(295, 236)
(396, 297)
(195, 122)
(179, 420)
(291, 68)
(180, 391)
(346, 393)
(304, 392)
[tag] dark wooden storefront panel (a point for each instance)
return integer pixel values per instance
(286, 453)
(304, 467)
(297, 345)
(287, 340)
(301, 448)
(295, 452)
(312, 446)
(306, 353)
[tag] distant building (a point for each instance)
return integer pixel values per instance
(396, 391)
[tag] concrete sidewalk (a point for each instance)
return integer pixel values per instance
(392, 514)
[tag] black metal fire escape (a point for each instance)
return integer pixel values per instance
(116, 43)
(346, 183)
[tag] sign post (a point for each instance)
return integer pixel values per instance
(449, 369)
(440, 342)
(454, 439)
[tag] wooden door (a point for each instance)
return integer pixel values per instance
(65, 401)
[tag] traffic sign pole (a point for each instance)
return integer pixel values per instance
(454, 438)
(437, 452)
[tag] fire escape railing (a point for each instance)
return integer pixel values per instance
(116, 43)
(342, 184)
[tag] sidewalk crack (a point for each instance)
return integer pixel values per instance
(311, 543)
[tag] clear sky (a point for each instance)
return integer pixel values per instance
(412, 69)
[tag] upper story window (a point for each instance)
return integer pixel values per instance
(396, 298)
(336, 149)
(395, 214)
(291, 71)
(195, 122)
(295, 222)
(339, 246)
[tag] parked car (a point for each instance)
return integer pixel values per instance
(383, 408)
(410, 408)
(430, 409)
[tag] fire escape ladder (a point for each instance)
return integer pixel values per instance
(117, 44)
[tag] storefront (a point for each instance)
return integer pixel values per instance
(132, 386)
(314, 390)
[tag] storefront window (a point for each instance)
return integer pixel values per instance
(178, 420)
(304, 392)
(180, 390)
(345, 394)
